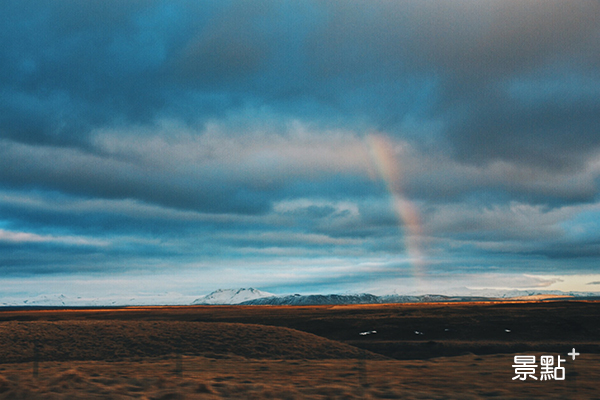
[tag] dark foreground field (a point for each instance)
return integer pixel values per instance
(419, 351)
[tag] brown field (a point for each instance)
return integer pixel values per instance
(462, 351)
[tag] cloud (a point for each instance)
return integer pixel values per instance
(204, 171)
(167, 132)
(228, 48)
(27, 237)
(515, 221)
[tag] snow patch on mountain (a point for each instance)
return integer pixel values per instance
(366, 298)
(61, 300)
(315, 299)
(231, 296)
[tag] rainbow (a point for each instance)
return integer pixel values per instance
(389, 169)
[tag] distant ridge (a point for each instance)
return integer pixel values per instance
(364, 298)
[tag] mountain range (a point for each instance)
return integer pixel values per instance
(252, 296)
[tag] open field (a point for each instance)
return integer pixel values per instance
(459, 351)
(461, 377)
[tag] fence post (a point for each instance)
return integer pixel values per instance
(362, 369)
(36, 358)
(178, 365)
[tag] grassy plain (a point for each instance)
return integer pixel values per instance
(428, 351)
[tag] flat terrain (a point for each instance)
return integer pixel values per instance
(461, 377)
(460, 351)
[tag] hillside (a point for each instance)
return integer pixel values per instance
(106, 340)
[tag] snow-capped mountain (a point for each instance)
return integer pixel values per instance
(365, 298)
(231, 296)
(315, 299)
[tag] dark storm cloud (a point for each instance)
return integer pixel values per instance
(554, 133)
(534, 45)
(55, 87)
(36, 212)
(80, 173)
(473, 52)
(228, 48)
(71, 67)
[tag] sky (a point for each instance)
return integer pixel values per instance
(299, 146)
